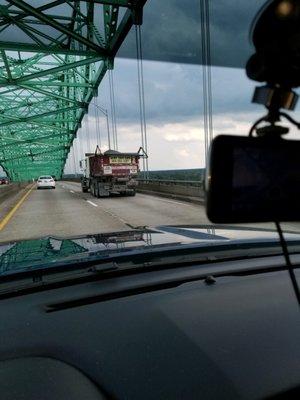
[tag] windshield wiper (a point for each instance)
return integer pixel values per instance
(86, 271)
(155, 256)
(136, 260)
(148, 287)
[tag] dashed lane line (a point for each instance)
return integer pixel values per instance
(111, 214)
(91, 203)
(116, 217)
(107, 212)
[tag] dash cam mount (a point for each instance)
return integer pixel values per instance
(275, 35)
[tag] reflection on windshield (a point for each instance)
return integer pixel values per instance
(42, 251)
(36, 251)
(51, 251)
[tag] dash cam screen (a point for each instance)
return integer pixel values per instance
(265, 179)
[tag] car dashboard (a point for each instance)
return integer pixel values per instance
(175, 333)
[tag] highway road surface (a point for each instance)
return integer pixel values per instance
(66, 211)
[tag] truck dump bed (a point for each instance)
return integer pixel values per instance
(113, 163)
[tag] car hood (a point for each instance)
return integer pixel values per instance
(51, 251)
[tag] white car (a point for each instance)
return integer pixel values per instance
(46, 182)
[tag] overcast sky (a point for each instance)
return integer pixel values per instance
(174, 111)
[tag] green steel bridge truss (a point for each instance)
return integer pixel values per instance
(53, 57)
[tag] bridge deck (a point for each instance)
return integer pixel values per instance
(66, 211)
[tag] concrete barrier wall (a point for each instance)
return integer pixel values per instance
(10, 190)
(183, 189)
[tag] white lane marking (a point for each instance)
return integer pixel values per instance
(72, 191)
(90, 202)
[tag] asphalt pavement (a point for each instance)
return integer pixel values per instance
(66, 212)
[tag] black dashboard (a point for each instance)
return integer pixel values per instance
(166, 334)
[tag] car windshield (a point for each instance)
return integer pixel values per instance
(119, 109)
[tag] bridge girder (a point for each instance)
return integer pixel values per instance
(52, 60)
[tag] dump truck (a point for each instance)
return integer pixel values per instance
(111, 172)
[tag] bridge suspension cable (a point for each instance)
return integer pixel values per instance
(104, 112)
(113, 108)
(80, 143)
(141, 89)
(97, 118)
(88, 139)
(206, 75)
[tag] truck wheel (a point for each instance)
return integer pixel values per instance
(97, 191)
(84, 190)
(132, 193)
(93, 189)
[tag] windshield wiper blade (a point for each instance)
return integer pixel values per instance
(148, 287)
(108, 270)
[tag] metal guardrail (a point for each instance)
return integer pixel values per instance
(172, 182)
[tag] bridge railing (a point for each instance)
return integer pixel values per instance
(173, 188)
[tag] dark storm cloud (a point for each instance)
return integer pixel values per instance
(172, 31)
(173, 92)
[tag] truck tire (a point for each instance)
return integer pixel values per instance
(97, 191)
(133, 193)
(93, 192)
(84, 190)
